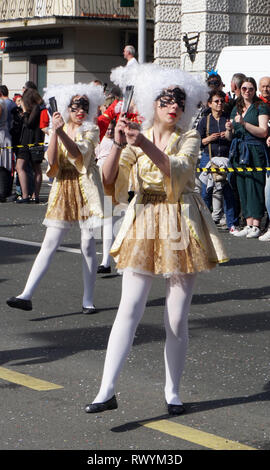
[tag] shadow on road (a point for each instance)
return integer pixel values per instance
(246, 260)
(198, 407)
(58, 344)
(66, 315)
(237, 294)
(243, 323)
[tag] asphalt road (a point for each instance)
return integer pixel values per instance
(226, 384)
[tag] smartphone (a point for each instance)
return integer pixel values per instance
(53, 104)
(127, 98)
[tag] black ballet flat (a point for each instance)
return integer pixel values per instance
(22, 304)
(22, 200)
(34, 200)
(104, 270)
(89, 310)
(176, 410)
(110, 404)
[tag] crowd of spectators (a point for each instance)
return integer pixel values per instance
(24, 121)
(232, 174)
(233, 167)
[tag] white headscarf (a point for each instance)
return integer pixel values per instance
(64, 93)
(150, 79)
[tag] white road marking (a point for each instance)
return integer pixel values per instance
(25, 242)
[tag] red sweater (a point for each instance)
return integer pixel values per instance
(111, 113)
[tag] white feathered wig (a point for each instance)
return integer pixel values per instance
(64, 93)
(149, 80)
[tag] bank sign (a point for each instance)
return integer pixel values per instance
(32, 43)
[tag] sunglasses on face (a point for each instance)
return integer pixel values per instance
(82, 103)
(244, 88)
(214, 82)
(218, 101)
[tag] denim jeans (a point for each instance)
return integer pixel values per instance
(228, 195)
(267, 194)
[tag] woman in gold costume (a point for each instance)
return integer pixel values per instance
(167, 229)
(77, 194)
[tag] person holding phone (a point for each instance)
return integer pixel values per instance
(167, 230)
(76, 195)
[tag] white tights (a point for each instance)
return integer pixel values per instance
(107, 241)
(52, 240)
(135, 290)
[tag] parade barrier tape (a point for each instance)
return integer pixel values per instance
(199, 170)
(22, 146)
(231, 170)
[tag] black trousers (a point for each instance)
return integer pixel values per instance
(6, 181)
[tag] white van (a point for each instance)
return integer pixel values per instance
(252, 61)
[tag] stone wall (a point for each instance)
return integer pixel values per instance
(167, 36)
(220, 23)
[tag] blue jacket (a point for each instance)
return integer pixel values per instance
(240, 147)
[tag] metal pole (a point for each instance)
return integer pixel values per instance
(142, 32)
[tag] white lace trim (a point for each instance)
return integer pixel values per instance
(162, 275)
(91, 223)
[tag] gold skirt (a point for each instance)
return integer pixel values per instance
(159, 242)
(67, 203)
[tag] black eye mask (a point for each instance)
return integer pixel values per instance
(82, 103)
(171, 96)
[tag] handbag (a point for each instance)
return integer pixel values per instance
(37, 153)
(217, 174)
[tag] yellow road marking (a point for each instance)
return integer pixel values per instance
(26, 380)
(197, 437)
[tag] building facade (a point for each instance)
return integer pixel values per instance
(66, 41)
(207, 26)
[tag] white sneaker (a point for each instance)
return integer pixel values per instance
(233, 230)
(254, 232)
(220, 222)
(265, 237)
(244, 232)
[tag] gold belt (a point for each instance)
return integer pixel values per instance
(152, 197)
(67, 173)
